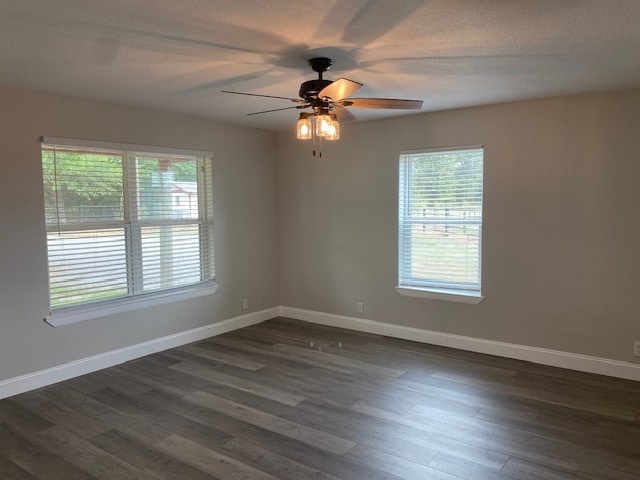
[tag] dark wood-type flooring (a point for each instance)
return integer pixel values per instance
(261, 403)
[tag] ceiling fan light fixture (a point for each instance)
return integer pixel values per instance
(333, 132)
(304, 128)
(323, 125)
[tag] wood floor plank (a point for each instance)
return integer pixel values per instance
(351, 363)
(116, 419)
(472, 357)
(612, 395)
(209, 460)
(428, 390)
(15, 414)
(618, 434)
(147, 458)
(266, 351)
(36, 460)
(164, 418)
(59, 415)
(364, 354)
(491, 395)
(156, 377)
(104, 378)
(238, 383)
(259, 353)
(452, 364)
(157, 359)
(491, 436)
(433, 442)
(312, 383)
(316, 332)
(11, 471)
(501, 413)
(277, 465)
(532, 471)
(88, 457)
(396, 466)
(316, 438)
(270, 337)
(467, 469)
(234, 360)
(347, 396)
(565, 427)
(541, 395)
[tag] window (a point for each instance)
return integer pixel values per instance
(440, 224)
(125, 224)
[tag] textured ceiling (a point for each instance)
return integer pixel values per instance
(178, 54)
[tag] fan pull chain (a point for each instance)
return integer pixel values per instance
(313, 136)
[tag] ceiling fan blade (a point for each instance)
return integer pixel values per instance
(343, 114)
(279, 109)
(296, 100)
(394, 103)
(339, 89)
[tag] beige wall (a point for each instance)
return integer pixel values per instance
(245, 225)
(561, 256)
(561, 262)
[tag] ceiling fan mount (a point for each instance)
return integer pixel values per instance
(320, 64)
(309, 90)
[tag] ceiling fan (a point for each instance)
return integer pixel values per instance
(328, 100)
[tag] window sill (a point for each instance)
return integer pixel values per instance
(457, 296)
(90, 312)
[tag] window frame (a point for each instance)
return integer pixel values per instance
(435, 289)
(132, 227)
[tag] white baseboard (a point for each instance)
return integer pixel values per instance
(555, 358)
(31, 381)
(573, 361)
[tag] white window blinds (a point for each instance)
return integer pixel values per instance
(440, 219)
(125, 222)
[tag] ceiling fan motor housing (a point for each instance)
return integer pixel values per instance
(309, 90)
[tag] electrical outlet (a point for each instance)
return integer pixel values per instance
(245, 303)
(360, 307)
(636, 348)
(263, 299)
